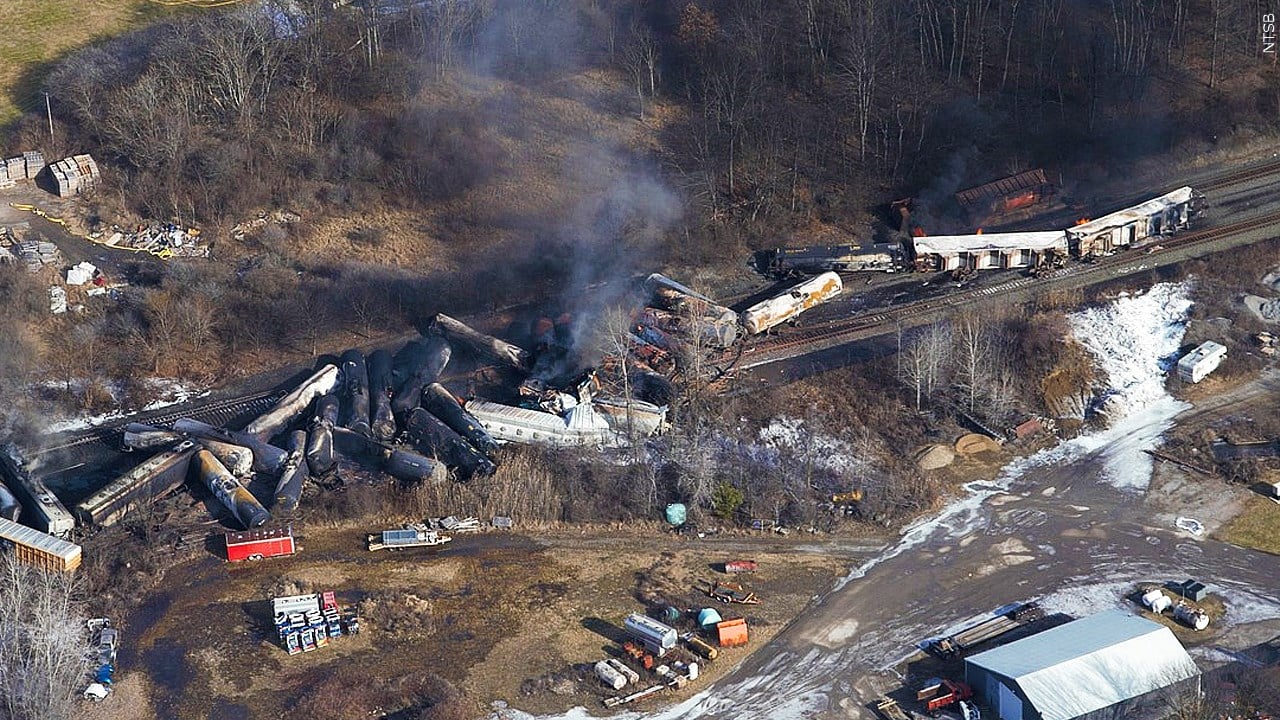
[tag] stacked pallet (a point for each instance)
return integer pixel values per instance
(35, 163)
(24, 167)
(36, 254)
(74, 174)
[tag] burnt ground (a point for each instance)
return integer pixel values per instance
(510, 617)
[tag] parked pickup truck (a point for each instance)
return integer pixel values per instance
(412, 536)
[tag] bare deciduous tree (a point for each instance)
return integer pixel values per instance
(922, 365)
(973, 357)
(44, 644)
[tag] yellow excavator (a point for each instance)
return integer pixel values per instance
(847, 498)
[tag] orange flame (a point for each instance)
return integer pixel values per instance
(978, 232)
(1082, 221)
(917, 231)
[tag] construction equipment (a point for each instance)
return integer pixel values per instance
(847, 498)
(730, 593)
(889, 709)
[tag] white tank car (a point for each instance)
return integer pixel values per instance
(788, 305)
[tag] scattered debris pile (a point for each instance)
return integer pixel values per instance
(412, 535)
(281, 217)
(105, 640)
(23, 167)
(164, 240)
(560, 405)
(1265, 309)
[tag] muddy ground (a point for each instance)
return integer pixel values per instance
(504, 616)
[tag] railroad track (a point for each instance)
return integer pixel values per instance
(871, 324)
(214, 412)
(1239, 176)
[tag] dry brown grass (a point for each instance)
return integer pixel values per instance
(1257, 527)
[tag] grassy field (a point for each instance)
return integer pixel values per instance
(39, 32)
(1257, 527)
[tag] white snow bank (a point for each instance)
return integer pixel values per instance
(170, 392)
(794, 436)
(1134, 340)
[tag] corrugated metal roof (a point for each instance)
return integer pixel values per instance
(43, 542)
(1091, 663)
(949, 244)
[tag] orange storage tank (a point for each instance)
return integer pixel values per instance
(732, 633)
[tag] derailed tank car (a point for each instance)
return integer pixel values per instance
(792, 262)
(788, 305)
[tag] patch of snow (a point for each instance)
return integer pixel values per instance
(1244, 605)
(788, 434)
(1135, 340)
(1191, 525)
(170, 391)
(1081, 600)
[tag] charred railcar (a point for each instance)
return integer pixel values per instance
(151, 479)
(792, 262)
(43, 509)
(1164, 215)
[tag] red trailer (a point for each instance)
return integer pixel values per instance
(259, 544)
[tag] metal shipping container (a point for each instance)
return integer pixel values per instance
(39, 549)
(259, 544)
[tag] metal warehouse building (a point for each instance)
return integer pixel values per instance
(1104, 666)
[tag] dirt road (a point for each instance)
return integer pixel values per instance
(1049, 529)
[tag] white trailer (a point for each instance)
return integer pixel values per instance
(1197, 364)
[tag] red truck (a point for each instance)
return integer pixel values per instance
(940, 695)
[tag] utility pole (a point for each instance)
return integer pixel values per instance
(49, 112)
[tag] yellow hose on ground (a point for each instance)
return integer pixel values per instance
(163, 253)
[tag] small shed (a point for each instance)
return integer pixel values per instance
(1190, 589)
